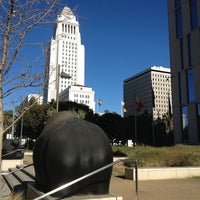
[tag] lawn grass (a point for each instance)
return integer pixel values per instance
(147, 156)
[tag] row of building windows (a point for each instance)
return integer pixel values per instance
(66, 58)
(184, 121)
(164, 77)
(187, 46)
(66, 50)
(64, 80)
(82, 96)
(70, 72)
(64, 86)
(190, 86)
(69, 50)
(65, 66)
(72, 38)
(164, 89)
(163, 95)
(159, 80)
(193, 17)
(162, 86)
(159, 94)
(70, 43)
(161, 101)
(68, 28)
(73, 64)
(87, 102)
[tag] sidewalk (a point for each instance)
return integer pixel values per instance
(175, 189)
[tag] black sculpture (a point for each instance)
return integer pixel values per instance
(69, 148)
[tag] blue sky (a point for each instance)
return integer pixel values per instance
(121, 38)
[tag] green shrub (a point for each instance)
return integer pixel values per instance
(119, 153)
(177, 156)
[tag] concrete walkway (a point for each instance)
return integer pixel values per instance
(175, 189)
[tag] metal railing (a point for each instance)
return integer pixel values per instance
(18, 169)
(90, 174)
(12, 152)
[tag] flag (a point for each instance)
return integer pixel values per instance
(123, 106)
(139, 104)
(100, 102)
(124, 110)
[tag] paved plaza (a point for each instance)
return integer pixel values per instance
(175, 189)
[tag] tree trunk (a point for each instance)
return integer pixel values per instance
(1, 123)
(2, 63)
(15, 22)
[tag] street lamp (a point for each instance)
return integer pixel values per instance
(169, 106)
(58, 75)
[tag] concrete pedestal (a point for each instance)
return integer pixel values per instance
(6, 164)
(32, 193)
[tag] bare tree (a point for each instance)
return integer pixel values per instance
(17, 18)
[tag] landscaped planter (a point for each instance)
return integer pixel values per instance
(162, 173)
(115, 158)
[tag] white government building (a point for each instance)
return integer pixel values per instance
(153, 88)
(66, 56)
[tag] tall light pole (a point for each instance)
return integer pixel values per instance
(58, 75)
(13, 125)
(169, 105)
(21, 130)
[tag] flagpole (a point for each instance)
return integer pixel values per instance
(136, 129)
(122, 111)
(122, 108)
(97, 106)
(153, 131)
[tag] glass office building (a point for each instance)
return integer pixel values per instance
(184, 38)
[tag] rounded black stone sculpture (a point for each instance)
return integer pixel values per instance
(69, 148)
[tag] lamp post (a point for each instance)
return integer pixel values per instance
(58, 75)
(169, 107)
(13, 125)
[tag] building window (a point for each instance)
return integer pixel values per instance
(198, 119)
(189, 49)
(185, 134)
(182, 53)
(180, 88)
(193, 14)
(179, 28)
(177, 3)
(190, 85)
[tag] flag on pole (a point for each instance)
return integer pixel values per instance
(123, 106)
(100, 102)
(139, 104)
